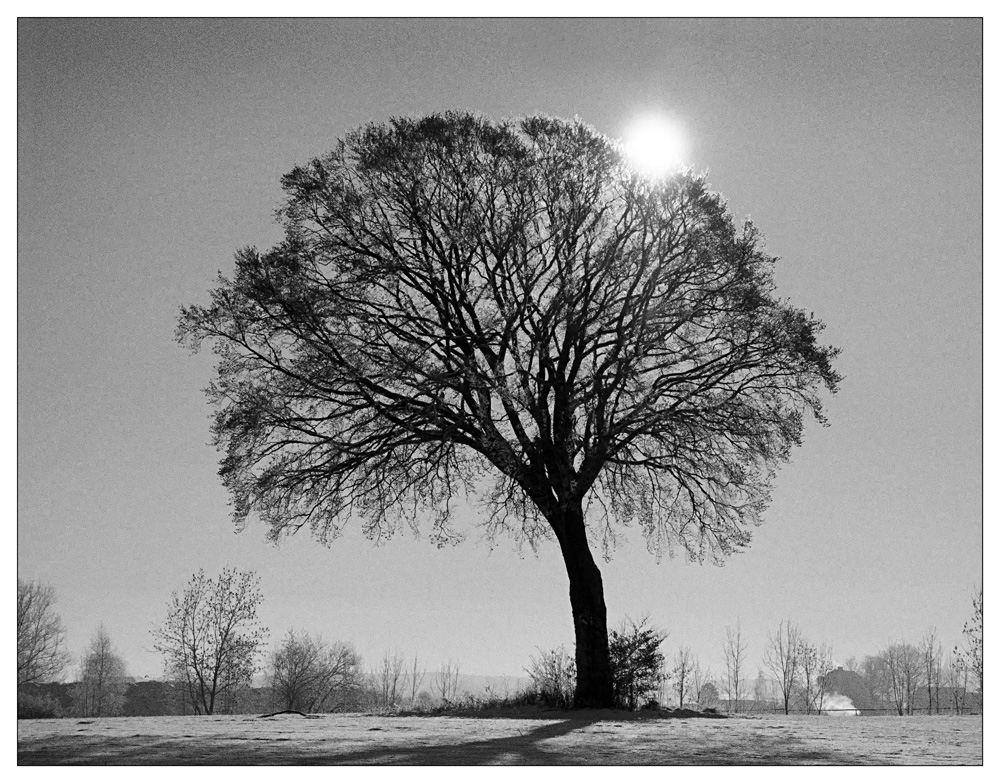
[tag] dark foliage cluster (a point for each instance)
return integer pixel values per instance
(456, 300)
(636, 663)
(637, 667)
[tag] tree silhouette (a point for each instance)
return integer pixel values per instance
(308, 674)
(41, 636)
(636, 662)
(103, 679)
(211, 638)
(782, 659)
(971, 651)
(512, 312)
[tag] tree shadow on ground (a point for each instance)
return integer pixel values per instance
(600, 741)
(522, 748)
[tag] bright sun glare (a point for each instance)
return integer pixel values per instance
(655, 145)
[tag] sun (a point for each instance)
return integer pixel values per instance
(655, 145)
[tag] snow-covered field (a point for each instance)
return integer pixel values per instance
(558, 738)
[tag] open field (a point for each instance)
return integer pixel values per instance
(558, 738)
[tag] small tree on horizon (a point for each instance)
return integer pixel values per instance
(446, 681)
(735, 650)
(708, 694)
(509, 311)
(41, 636)
(931, 654)
(307, 673)
(957, 673)
(212, 638)
(387, 681)
(100, 691)
(875, 675)
(685, 667)
(815, 661)
(415, 675)
(903, 667)
(782, 659)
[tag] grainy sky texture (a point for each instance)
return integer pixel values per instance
(149, 151)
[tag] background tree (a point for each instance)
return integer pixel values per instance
(782, 658)
(511, 311)
(307, 674)
(103, 679)
(698, 680)
(415, 676)
(41, 638)
(684, 677)
(815, 663)
(636, 662)
(930, 654)
(387, 681)
(957, 673)
(875, 674)
(212, 638)
(971, 651)
(708, 695)
(903, 666)
(735, 652)
(825, 659)
(765, 692)
(446, 681)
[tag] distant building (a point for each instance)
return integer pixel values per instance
(852, 685)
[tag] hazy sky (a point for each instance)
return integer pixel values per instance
(149, 151)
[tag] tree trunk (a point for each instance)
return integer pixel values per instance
(590, 615)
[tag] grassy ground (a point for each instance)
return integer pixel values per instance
(578, 738)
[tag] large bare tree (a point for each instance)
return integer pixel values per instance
(510, 311)
(41, 637)
(212, 637)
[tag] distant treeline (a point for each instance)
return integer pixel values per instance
(154, 697)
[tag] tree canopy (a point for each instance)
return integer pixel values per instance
(511, 312)
(456, 298)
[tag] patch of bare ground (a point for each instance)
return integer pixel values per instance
(543, 738)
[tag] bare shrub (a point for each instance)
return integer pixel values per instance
(41, 638)
(553, 677)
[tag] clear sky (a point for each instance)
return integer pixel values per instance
(149, 151)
